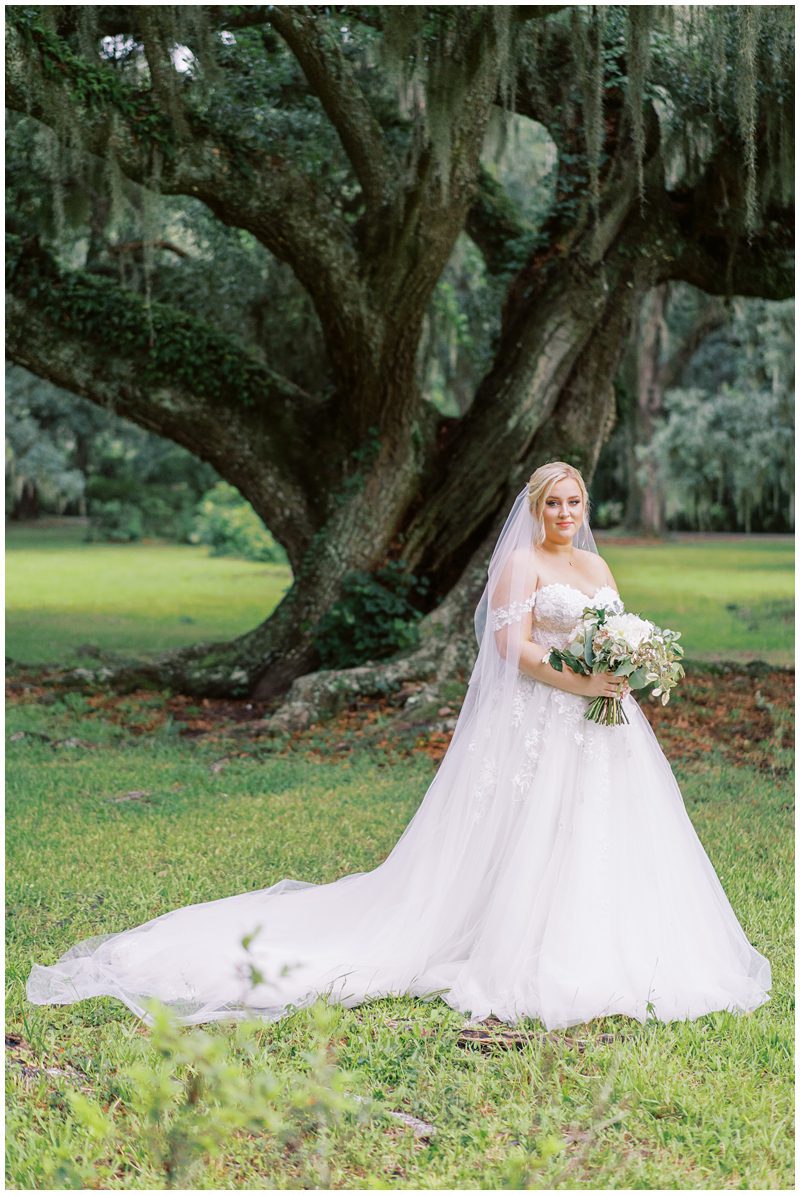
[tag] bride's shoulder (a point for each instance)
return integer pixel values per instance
(592, 560)
(595, 566)
(522, 563)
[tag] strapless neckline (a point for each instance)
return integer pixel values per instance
(565, 585)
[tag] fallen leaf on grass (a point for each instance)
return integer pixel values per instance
(489, 1037)
(136, 794)
(420, 1128)
(19, 1050)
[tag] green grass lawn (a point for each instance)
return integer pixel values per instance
(730, 599)
(62, 593)
(696, 1105)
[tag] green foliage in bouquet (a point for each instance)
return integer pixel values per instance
(627, 645)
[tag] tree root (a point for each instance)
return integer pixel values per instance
(420, 680)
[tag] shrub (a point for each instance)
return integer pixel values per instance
(373, 618)
(230, 527)
(120, 522)
(123, 509)
(191, 1093)
(608, 514)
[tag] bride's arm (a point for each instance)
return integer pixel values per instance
(514, 638)
(610, 577)
(531, 662)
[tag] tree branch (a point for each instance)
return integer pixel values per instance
(494, 224)
(334, 82)
(138, 246)
(178, 378)
(127, 18)
(711, 317)
(242, 185)
(703, 226)
(423, 238)
(164, 81)
(537, 12)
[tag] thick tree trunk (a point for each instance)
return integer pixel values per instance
(575, 430)
(431, 503)
(658, 364)
(646, 501)
(27, 503)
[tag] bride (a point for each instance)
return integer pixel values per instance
(550, 871)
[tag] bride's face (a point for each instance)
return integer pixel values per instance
(562, 513)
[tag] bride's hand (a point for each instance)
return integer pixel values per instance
(605, 684)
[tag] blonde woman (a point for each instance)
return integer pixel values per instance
(551, 870)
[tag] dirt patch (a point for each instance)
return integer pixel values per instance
(742, 710)
(142, 711)
(736, 712)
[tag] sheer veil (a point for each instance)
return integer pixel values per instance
(521, 532)
(502, 623)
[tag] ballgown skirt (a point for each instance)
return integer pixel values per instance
(560, 879)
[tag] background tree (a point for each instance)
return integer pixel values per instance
(66, 456)
(659, 367)
(47, 441)
(705, 436)
(723, 452)
(348, 143)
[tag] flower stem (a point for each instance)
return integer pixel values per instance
(607, 711)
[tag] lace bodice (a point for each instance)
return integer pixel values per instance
(556, 608)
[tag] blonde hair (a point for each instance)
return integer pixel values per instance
(541, 482)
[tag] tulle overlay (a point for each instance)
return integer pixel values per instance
(551, 871)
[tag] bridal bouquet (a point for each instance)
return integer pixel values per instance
(626, 645)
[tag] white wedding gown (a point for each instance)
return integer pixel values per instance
(563, 881)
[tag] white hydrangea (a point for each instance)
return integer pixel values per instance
(629, 629)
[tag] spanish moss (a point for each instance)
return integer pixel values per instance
(589, 53)
(745, 94)
(640, 20)
(734, 57)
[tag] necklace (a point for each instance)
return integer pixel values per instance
(571, 562)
